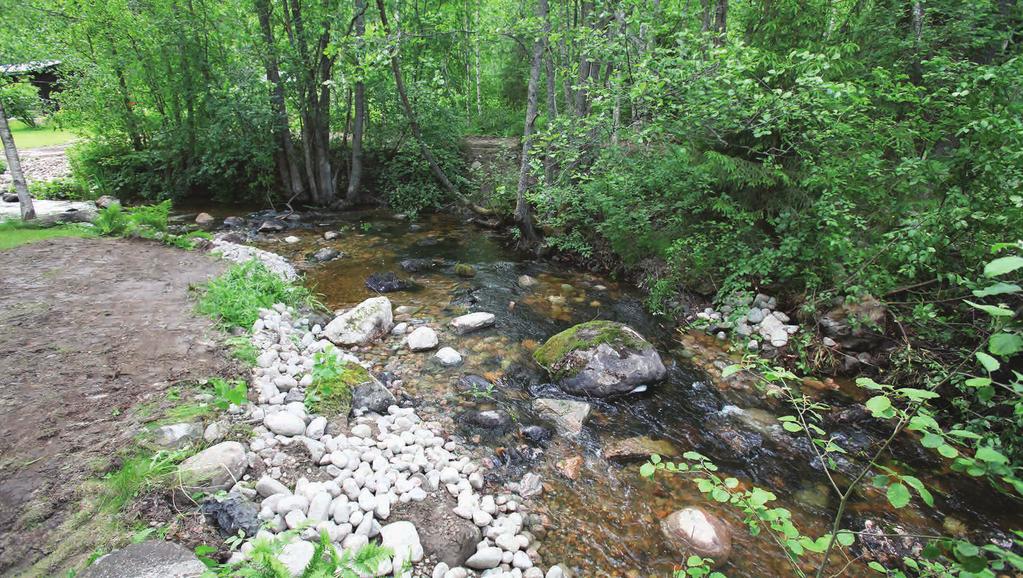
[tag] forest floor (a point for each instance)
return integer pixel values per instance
(93, 330)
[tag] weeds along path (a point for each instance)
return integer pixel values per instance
(89, 329)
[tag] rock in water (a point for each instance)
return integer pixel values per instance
(204, 220)
(525, 281)
(233, 222)
(373, 396)
(638, 448)
(472, 322)
(232, 514)
(325, 254)
(361, 324)
(215, 468)
(491, 419)
(465, 270)
(422, 339)
(600, 358)
(569, 416)
(387, 283)
(448, 356)
(694, 531)
(151, 559)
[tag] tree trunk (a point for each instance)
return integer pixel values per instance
(552, 97)
(523, 213)
(585, 66)
(720, 22)
(438, 173)
(284, 153)
(359, 121)
(14, 165)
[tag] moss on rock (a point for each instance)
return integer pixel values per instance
(331, 393)
(555, 355)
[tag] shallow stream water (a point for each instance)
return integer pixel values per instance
(605, 522)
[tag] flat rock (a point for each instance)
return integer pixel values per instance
(568, 416)
(422, 339)
(150, 559)
(695, 531)
(445, 537)
(177, 435)
(638, 448)
(284, 423)
(448, 357)
(472, 322)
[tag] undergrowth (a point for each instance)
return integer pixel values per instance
(235, 298)
(333, 381)
(263, 560)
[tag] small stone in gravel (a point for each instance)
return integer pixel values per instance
(267, 486)
(291, 239)
(296, 556)
(285, 423)
(485, 558)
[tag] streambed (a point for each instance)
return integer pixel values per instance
(606, 521)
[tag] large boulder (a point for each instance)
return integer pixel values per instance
(151, 559)
(215, 468)
(600, 358)
(857, 326)
(369, 320)
(443, 535)
(694, 531)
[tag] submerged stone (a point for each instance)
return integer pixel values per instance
(695, 531)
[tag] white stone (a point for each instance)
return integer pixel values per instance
(296, 556)
(403, 539)
(316, 428)
(267, 486)
(472, 322)
(485, 558)
(448, 356)
(361, 324)
(422, 339)
(285, 423)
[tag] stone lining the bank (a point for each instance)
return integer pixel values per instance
(244, 253)
(381, 462)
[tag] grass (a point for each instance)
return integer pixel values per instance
(42, 135)
(137, 474)
(235, 298)
(14, 233)
(333, 381)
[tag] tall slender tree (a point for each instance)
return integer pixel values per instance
(14, 165)
(523, 211)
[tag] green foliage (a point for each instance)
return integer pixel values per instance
(228, 393)
(243, 350)
(333, 380)
(21, 101)
(137, 474)
(65, 189)
(143, 220)
(235, 298)
(262, 561)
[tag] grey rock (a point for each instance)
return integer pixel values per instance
(233, 222)
(448, 357)
(373, 396)
(485, 558)
(267, 486)
(215, 468)
(755, 315)
(177, 435)
(568, 416)
(325, 254)
(204, 220)
(105, 201)
(472, 322)
(285, 423)
(361, 324)
(387, 282)
(150, 559)
(422, 339)
(232, 514)
(525, 281)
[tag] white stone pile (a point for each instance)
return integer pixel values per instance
(382, 461)
(244, 253)
(755, 320)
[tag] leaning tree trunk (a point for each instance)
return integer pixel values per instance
(523, 213)
(359, 122)
(14, 165)
(438, 172)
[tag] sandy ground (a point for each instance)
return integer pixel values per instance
(89, 329)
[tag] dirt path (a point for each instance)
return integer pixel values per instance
(89, 328)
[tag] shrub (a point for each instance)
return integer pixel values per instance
(144, 220)
(235, 298)
(21, 101)
(65, 189)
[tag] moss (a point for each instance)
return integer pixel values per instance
(331, 392)
(464, 270)
(554, 356)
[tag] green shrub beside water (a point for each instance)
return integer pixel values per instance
(236, 297)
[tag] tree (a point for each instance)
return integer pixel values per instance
(14, 165)
(359, 120)
(523, 212)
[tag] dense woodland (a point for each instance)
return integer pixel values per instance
(822, 150)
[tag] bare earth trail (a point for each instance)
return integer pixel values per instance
(89, 328)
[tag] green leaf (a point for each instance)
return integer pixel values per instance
(989, 363)
(898, 495)
(878, 405)
(730, 370)
(647, 470)
(655, 458)
(1003, 265)
(997, 289)
(991, 455)
(978, 381)
(948, 451)
(991, 309)
(917, 394)
(791, 427)
(922, 490)
(867, 383)
(1005, 344)
(845, 538)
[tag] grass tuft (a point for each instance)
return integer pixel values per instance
(235, 298)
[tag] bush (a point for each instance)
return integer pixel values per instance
(21, 101)
(66, 189)
(143, 221)
(235, 298)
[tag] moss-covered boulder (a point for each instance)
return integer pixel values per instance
(600, 358)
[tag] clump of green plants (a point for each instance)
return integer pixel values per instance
(142, 221)
(66, 189)
(139, 473)
(333, 381)
(243, 350)
(235, 298)
(227, 393)
(263, 560)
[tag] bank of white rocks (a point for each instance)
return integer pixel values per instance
(752, 320)
(244, 253)
(359, 476)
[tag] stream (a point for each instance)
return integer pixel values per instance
(606, 522)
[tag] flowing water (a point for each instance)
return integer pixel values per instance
(605, 522)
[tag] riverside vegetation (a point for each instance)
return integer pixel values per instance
(829, 153)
